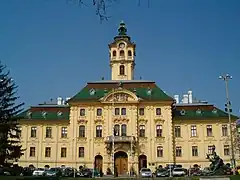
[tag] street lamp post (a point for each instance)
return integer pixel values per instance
(226, 78)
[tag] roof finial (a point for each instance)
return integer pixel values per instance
(122, 30)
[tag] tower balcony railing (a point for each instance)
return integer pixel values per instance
(120, 139)
(122, 57)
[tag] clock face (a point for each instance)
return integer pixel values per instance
(121, 45)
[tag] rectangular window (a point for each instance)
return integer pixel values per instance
(124, 129)
(193, 131)
(99, 112)
(178, 151)
(159, 130)
(209, 130)
(63, 152)
(48, 132)
(142, 131)
(141, 111)
(177, 131)
(210, 149)
(123, 111)
(159, 151)
(32, 151)
(194, 151)
(33, 132)
(47, 152)
(81, 152)
(82, 112)
(117, 111)
(158, 111)
(224, 130)
(226, 150)
(64, 132)
(82, 131)
(99, 131)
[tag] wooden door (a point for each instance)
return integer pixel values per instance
(98, 164)
(121, 165)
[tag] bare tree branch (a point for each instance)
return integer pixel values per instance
(101, 7)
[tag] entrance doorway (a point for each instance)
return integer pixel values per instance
(121, 162)
(98, 163)
(142, 159)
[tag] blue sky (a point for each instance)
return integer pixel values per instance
(53, 48)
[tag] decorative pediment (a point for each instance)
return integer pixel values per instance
(120, 96)
(120, 119)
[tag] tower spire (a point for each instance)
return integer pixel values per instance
(122, 30)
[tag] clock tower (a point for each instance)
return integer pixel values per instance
(122, 55)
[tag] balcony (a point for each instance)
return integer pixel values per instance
(120, 139)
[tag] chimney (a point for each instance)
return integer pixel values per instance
(185, 99)
(176, 97)
(59, 101)
(190, 97)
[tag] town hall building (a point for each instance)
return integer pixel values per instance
(123, 122)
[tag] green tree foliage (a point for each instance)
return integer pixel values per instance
(10, 148)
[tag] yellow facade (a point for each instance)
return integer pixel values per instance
(146, 133)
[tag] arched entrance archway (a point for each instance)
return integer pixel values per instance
(142, 162)
(121, 162)
(98, 162)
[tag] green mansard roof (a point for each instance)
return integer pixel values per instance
(46, 112)
(199, 112)
(146, 90)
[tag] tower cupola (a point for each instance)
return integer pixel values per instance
(122, 55)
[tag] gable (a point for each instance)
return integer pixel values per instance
(120, 96)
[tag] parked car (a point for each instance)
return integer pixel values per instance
(38, 172)
(195, 171)
(178, 172)
(163, 172)
(146, 172)
(56, 172)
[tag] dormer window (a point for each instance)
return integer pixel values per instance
(122, 53)
(29, 114)
(59, 113)
(122, 70)
(214, 111)
(44, 114)
(182, 112)
(198, 111)
(92, 92)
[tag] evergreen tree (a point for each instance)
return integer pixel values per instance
(10, 147)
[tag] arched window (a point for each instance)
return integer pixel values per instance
(114, 53)
(99, 131)
(129, 53)
(81, 131)
(124, 130)
(159, 130)
(116, 130)
(122, 70)
(122, 53)
(142, 131)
